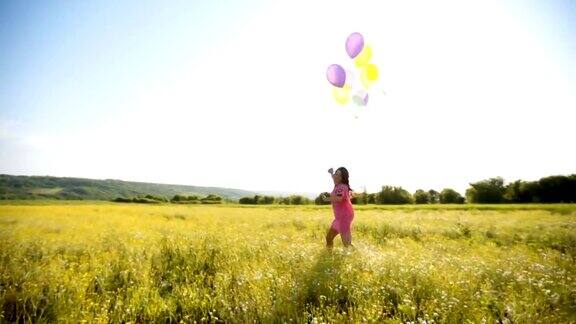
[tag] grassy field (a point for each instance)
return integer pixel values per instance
(112, 262)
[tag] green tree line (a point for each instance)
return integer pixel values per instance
(176, 199)
(268, 200)
(552, 189)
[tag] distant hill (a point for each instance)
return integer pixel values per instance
(47, 187)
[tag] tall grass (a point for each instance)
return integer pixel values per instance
(108, 262)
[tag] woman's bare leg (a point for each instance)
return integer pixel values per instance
(346, 239)
(330, 237)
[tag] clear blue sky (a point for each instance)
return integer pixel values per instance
(233, 94)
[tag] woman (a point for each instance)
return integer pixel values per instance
(342, 207)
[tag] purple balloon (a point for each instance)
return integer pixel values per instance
(336, 75)
(354, 44)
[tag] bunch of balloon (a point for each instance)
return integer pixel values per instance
(353, 85)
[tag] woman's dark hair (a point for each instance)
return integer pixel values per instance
(345, 176)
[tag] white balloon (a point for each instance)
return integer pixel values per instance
(360, 98)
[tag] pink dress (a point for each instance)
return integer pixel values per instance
(343, 211)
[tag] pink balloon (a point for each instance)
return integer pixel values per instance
(354, 44)
(336, 75)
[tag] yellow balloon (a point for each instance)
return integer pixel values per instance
(371, 71)
(369, 75)
(364, 57)
(342, 95)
